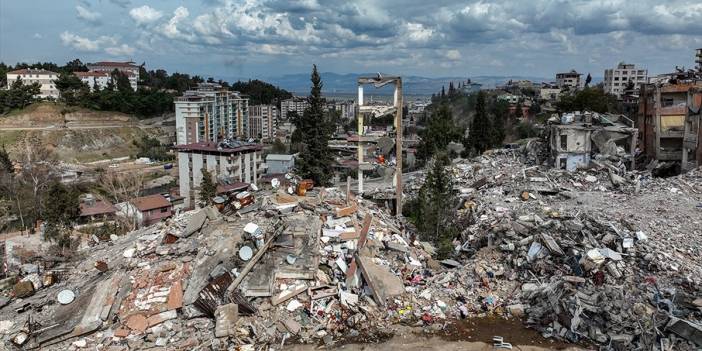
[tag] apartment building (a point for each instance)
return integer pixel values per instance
(347, 108)
(35, 75)
(263, 121)
(670, 117)
(229, 160)
(698, 59)
(571, 80)
(296, 104)
(128, 68)
(211, 113)
(93, 79)
(617, 79)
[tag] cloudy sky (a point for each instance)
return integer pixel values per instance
(260, 38)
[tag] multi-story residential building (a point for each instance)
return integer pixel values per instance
(232, 160)
(211, 113)
(264, 119)
(34, 75)
(255, 127)
(128, 68)
(669, 117)
(347, 108)
(99, 79)
(549, 92)
(698, 59)
(570, 80)
(617, 79)
(296, 104)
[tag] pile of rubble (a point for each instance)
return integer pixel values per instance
(590, 256)
(313, 268)
(598, 256)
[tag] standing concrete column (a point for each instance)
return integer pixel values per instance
(359, 116)
(398, 147)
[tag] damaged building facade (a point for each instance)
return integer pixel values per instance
(211, 113)
(577, 138)
(231, 160)
(669, 118)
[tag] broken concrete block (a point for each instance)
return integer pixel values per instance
(287, 294)
(162, 317)
(195, 223)
(226, 317)
(23, 289)
(175, 296)
(292, 326)
(381, 281)
(137, 322)
(293, 305)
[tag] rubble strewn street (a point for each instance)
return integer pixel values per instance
(581, 257)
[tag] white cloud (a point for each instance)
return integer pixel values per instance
(84, 13)
(145, 14)
(121, 50)
(453, 55)
(37, 36)
(171, 29)
(417, 32)
(84, 44)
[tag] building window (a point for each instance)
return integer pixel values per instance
(164, 210)
(667, 102)
(564, 142)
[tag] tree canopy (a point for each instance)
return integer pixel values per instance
(316, 127)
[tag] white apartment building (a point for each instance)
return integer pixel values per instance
(263, 121)
(101, 79)
(698, 59)
(231, 160)
(211, 113)
(295, 104)
(128, 68)
(347, 108)
(35, 75)
(617, 79)
(570, 80)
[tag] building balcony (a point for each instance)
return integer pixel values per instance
(673, 110)
(672, 134)
(669, 155)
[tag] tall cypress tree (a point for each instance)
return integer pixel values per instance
(480, 135)
(436, 205)
(316, 158)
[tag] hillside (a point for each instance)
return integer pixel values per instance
(77, 135)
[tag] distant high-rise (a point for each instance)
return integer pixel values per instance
(211, 113)
(295, 104)
(617, 79)
(569, 80)
(698, 59)
(264, 120)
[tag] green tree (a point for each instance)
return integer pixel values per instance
(19, 95)
(316, 159)
(518, 112)
(439, 132)
(588, 99)
(279, 147)
(71, 89)
(62, 210)
(436, 203)
(208, 188)
(5, 162)
(481, 135)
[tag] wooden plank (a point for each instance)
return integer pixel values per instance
(364, 230)
(253, 261)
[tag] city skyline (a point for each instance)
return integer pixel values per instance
(257, 38)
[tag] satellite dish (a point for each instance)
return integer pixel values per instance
(275, 183)
(65, 297)
(245, 253)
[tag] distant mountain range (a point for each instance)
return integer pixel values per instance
(335, 83)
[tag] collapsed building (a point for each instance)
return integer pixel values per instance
(575, 139)
(669, 119)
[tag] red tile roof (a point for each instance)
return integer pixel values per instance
(236, 186)
(146, 203)
(98, 208)
(92, 74)
(113, 63)
(31, 71)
